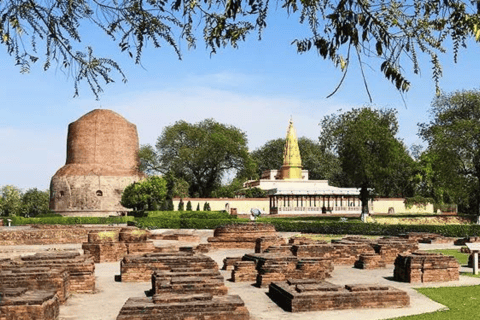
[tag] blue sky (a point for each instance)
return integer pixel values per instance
(256, 88)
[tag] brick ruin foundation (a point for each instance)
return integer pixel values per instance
(23, 303)
(111, 246)
(185, 286)
(304, 258)
(420, 267)
(49, 234)
(311, 295)
(426, 237)
(185, 307)
(241, 235)
(176, 235)
(141, 267)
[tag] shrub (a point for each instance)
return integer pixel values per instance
(162, 223)
(180, 205)
(198, 206)
(189, 206)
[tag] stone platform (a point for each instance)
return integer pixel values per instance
(241, 235)
(22, 303)
(185, 307)
(141, 267)
(308, 295)
(420, 267)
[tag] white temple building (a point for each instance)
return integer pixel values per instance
(290, 191)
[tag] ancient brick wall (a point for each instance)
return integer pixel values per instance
(102, 159)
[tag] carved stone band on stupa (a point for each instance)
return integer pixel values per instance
(102, 159)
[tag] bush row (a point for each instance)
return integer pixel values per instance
(162, 223)
(184, 214)
(16, 221)
(448, 230)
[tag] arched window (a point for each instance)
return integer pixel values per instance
(62, 193)
(99, 193)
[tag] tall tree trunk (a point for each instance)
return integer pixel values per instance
(364, 197)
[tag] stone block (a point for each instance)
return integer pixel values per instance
(22, 303)
(241, 235)
(299, 296)
(420, 267)
(185, 307)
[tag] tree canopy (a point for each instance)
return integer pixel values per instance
(14, 202)
(453, 136)
(148, 194)
(342, 31)
(201, 154)
(371, 156)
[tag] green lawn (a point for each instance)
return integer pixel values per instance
(463, 303)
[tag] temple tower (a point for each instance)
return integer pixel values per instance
(292, 162)
(102, 159)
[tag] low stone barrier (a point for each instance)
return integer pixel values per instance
(241, 235)
(54, 234)
(308, 295)
(420, 267)
(185, 307)
(22, 303)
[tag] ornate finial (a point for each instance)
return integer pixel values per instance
(292, 163)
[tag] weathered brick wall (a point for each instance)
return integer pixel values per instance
(241, 235)
(20, 303)
(310, 295)
(53, 235)
(425, 267)
(102, 159)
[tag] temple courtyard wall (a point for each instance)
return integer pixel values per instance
(243, 205)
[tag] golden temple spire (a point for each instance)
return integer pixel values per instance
(292, 162)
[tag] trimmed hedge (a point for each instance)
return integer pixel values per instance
(162, 223)
(17, 221)
(318, 219)
(184, 214)
(448, 230)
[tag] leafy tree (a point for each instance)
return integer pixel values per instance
(320, 164)
(201, 153)
(35, 202)
(340, 31)
(228, 191)
(189, 206)
(11, 203)
(145, 195)
(372, 158)
(453, 136)
(148, 160)
(205, 206)
(198, 206)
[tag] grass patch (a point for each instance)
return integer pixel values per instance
(461, 257)
(463, 302)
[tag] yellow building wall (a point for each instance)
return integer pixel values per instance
(243, 206)
(381, 205)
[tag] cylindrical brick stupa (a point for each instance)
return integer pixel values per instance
(102, 159)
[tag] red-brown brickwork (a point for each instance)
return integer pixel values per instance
(308, 295)
(141, 267)
(244, 271)
(102, 159)
(185, 307)
(272, 267)
(370, 261)
(37, 278)
(241, 235)
(229, 262)
(21, 303)
(420, 267)
(111, 246)
(51, 234)
(175, 235)
(263, 243)
(188, 282)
